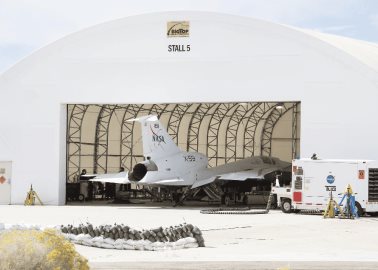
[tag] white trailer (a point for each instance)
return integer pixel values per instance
(310, 177)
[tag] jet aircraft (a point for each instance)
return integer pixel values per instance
(166, 165)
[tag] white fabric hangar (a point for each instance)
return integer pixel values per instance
(231, 59)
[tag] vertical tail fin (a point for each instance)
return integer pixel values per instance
(157, 143)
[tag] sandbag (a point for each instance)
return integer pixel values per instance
(119, 242)
(88, 242)
(105, 245)
(109, 241)
(190, 240)
(181, 242)
(149, 247)
(119, 236)
(128, 247)
(98, 239)
(191, 245)
(177, 247)
(98, 244)
(118, 246)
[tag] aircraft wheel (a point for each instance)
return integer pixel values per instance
(286, 206)
(223, 199)
(245, 200)
(176, 197)
(81, 197)
(227, 200)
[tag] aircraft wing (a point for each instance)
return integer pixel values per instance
(249, 174)
(238, 176)
(243, 175)
(176, 181)
(117, 178)
(203, 182)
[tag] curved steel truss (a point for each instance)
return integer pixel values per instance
(225, 132)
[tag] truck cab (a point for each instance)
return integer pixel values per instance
(283, 197)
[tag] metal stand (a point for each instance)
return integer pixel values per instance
(330, 210)
(30, 197)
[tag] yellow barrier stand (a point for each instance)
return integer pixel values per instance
(330, 209)
(30, 197)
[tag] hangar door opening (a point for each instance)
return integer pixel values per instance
(101, 140)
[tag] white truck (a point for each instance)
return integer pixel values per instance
(311, 177)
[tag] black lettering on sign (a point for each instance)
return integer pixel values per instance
(179, 48)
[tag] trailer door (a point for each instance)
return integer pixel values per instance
(297, 184)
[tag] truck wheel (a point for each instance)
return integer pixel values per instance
(274, 203)
(360, 211)
(286, 206)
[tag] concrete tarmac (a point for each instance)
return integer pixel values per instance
(271, 241)
(236, 265)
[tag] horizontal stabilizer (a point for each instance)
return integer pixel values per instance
(87, 176)
(117, 178)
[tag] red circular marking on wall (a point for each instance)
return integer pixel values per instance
(2, 179)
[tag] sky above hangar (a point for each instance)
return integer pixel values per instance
(27, 25)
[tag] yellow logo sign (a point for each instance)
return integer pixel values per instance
(178, 29)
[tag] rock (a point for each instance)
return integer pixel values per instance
(156, 230)
(196, 230)
(63, 229)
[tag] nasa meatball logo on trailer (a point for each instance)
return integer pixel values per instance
(330, 179)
